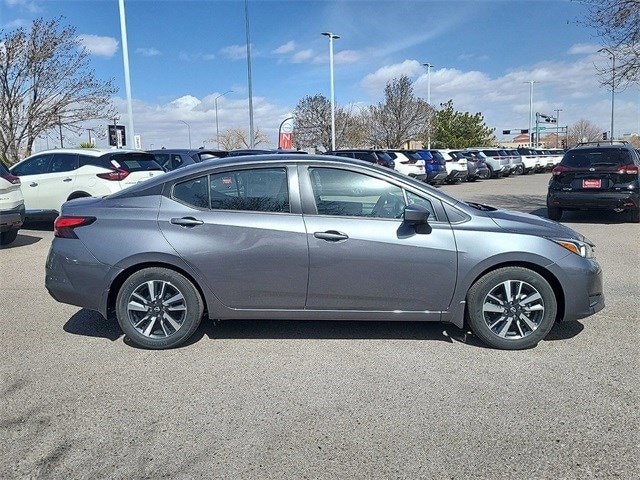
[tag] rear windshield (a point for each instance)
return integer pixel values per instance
(526, 151)
(412, 155)
(596, 157)
(3, 170)
(491, 153)
(384, 156)
(134, 161)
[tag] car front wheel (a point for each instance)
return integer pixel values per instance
(554, 213)
(511, 308)
(158, 308)
(8, 237)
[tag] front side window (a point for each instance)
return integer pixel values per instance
(194, 192)
(33, 166)
(352, 194)
(414, 199)
(63, 162)
(257, 190)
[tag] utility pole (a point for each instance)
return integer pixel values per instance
(332, 37)
(60, 128)
(613, 83)
(246, 19)
(429, 67)
(557, 110)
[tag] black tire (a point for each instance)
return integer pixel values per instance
(161, 334)
(491, 174)
(635, 215)
(554, 213)
(518, 335)
(75, 195)
(8, 237)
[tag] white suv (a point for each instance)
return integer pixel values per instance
(409, 163)
(457, 170)
(52, 177)
(11, 206)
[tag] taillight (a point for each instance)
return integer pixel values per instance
(629, 170)
(11, 178)
(63, 226)
(559, 170)
(115, 175)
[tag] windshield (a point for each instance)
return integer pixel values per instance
(135, 162)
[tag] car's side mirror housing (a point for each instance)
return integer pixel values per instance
(416, 215)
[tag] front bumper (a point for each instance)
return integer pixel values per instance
(12, 219)
(581, 280)
(594, 200)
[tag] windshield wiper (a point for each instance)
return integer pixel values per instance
(480, 206)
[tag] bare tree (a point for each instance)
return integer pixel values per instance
(617, 23)
(236, 138)
(45, 81)
(400, 118)
(583, 131)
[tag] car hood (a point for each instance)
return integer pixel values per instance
(528, 224)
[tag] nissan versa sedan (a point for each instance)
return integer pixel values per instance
(315, 238)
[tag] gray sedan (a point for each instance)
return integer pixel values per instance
(315, 238)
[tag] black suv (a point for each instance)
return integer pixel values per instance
(170, 159)
(377, 157)
(596, 175)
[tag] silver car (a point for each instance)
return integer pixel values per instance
(315, 238)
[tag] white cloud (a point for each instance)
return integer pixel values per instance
(375, 82)
(194, 57)
(583, 48)
(28, 5)
(148, 52)
(302, 56)
(288, 47)
(100, 46)
(17, 23)
(235, 52)
(347, 56)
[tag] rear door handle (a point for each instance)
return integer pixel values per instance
(331, 236)
(186, 221)
(33, 184)
(67, 179)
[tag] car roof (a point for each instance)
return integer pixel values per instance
(187, 151)
(277, 159)
(92, 152)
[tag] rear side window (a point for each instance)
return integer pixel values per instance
(594, 157)
(134, 162)
(194, 192)
(256, 190)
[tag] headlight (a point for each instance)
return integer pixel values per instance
(583, 249)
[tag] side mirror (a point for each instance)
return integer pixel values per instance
(416, 215)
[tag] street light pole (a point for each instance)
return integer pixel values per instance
(557, 110)
(125, 58)
(530, 82)
(215, 101)
(613, 82)
(332, 37)
(429, 66)
(188, 130)
(246, 19)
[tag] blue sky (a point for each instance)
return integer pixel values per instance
(183, 54)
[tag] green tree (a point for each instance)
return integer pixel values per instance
(455, 129)
(45, 80)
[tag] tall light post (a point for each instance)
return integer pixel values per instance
(125, 59)
(557, 110)
(429, 67)
(332, 37)
(613, 82)
(530, 82)
(246, 20)
(215, 101)
(188, 130)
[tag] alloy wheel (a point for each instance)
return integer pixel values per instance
(513, 309)
(157, 309)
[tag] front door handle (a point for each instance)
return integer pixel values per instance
(186, 221)
(67, 179)
(331, 235)
(33, 184)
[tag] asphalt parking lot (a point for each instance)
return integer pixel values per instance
(323, 399)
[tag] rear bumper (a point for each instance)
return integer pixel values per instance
(12, 219)
(436, 177)
(419, 176)
(594, 200)
(74, 276)
(457, 175)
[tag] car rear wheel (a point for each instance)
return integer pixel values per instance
(511, 308)
(491, 174)
(158, 308)
(554, 213)
(635, 215)
(8, 237)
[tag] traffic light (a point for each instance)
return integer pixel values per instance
(564, 143)
(604, 135)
